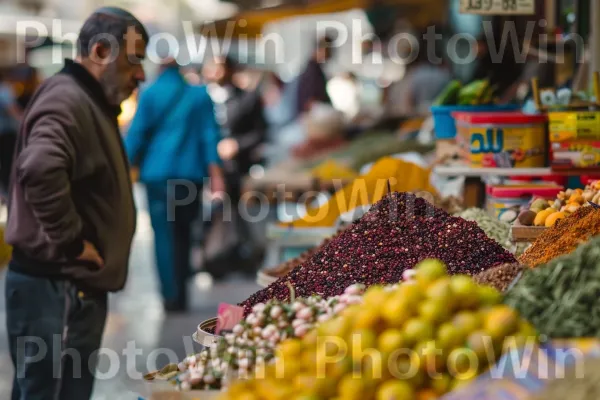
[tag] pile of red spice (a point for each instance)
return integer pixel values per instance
(564, 237)
(397, 233)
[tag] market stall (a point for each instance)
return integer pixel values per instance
(454, 283)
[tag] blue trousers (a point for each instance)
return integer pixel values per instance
(172, 222)
(54, 332)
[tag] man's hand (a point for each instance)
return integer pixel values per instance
(217, 182)
(90, 254)
(228, 148)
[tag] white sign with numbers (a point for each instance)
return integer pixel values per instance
(497, 7)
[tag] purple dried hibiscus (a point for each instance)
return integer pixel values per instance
(396, 234)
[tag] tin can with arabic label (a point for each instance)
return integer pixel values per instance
(503, 139)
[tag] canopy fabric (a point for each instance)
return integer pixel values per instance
(249, 24)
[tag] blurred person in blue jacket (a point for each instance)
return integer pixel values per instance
(173, 137)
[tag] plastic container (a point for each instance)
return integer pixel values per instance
(503, 139)
(506, 201)
(445, 125)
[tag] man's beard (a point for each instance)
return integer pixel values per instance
(110, 83)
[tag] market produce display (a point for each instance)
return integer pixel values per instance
(252, 342)
(562, 298)
(421, 334)
(500, 277)
(564, 237)
(395, 235)
(494, 228)
(547, 212)
(333, 170)
(577, 384)
(387, 173)
(478, 92)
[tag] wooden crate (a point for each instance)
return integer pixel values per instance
(526, 234)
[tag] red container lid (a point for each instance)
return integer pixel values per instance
(525, 191)
(499, 118)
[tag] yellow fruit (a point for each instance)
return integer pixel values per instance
(416, 330)
(367, 318)
(431, 357)
(390, 341)
(441, 385)
(290, 349)
(540, 219)
(410, 294)
(434, 311)
(427, 394)
(396, 311)
(462, 363)
(465, 290)
(480, 343)
(428, 271)
(337, 327)
(527, 330)
(501, 321)
(466, 323)
(375, 296)
(440, 290)
(395, 390)
(360, 342)
(449, 336)
(488, 296)
(552, 218)
(351, 388)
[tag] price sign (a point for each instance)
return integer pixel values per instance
(498, 7)
(228, 317)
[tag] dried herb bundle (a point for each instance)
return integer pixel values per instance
(562, 298)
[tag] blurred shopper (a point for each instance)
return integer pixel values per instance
(26, 78)
(71, 214)
(312, 83)
(243, 128)
(284, 130)
(173, 139)
(423, 81)
(10, 115)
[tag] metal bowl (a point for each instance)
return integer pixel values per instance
(202, 336)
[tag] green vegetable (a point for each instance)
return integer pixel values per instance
(562, 298)
(473, 92)
(449, 95)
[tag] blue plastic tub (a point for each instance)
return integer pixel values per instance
(444, 124)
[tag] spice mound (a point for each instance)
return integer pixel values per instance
(500, 277)
(562, 298)
(395, 235)
(494, 228)
(564, 237)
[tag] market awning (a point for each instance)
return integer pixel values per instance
(249, 24)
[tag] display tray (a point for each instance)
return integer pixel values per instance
(526, 234)
(265, 280)
(202, 336)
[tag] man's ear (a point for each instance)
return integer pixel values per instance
(100, 53)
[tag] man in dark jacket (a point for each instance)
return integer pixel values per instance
(71, 211)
